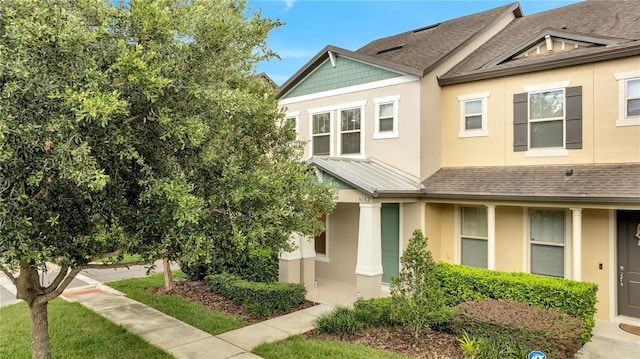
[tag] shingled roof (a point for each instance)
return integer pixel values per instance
(588, 183)
(414, 52)
(612, 25)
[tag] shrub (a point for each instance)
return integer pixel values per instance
(260, 299)
(375, 311)
(256, 264)
(577, 299)
(194, 270)
(527, 327)
(341, 320)
(417, 295)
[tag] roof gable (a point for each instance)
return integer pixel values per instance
(339, 72)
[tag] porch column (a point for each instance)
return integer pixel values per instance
(308, 263)
(491, 236)
(369, 261)
(576, 244)
(289, 262)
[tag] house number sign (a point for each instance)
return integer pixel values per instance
(368, 199)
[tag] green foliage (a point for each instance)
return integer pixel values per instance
(577, 299)
(525, 327)
(341, 320)
(469, 345)
(500, 348)
(418, 298)
(375, 311)
(195, 270)
(260, 299)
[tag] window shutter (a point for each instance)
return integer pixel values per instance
(520, 121)
(574, 117)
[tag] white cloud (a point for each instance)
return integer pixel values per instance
(288, 4)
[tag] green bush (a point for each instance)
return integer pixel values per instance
(577, 299)
(194, 270)
(341, 320)
(375, 311)
(260, 299)
(255, 264)
(518, 326)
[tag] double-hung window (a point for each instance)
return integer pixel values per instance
(629, 98)
(473, 115)
(547, 242)
(320, 241)
(548, 119)
(386, 122)
(350, 127)
(474, 236)
(321, 133)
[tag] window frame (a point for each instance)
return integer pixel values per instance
(378, 102)
(361, 106)
(320, 111)
(484, 130)
(463, 236)
(323, 257)
(295, 116)
(566, 244)
(623, 79)
(562, 118)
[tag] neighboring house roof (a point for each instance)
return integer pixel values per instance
(582, 183)
(414, 52)
(369, 176)
(608, 29)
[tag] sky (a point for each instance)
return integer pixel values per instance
(310, 25)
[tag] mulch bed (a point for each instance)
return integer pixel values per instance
(431, 344)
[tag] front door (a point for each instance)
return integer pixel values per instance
(628, 271)
(390, 233)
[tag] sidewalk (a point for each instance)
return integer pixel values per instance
(184, 341)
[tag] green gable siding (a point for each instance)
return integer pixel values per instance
(327, 178)
(346, 73)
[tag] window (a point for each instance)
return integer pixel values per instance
(350, 123)
(548, 120)
(474, 236)
(547, 234)
(320, 240)
(321, 133)
(386, 125)
(629, 98)
(291, 120)
(473, 115)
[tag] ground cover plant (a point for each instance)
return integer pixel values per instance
(76, 333)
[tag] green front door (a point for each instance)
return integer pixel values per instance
(390, 230)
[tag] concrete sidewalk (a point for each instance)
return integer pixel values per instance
(184, 341)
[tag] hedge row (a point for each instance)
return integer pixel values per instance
(577, 299)
(261, 299)
(524, 326)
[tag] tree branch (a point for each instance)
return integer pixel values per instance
(114, 265)
(61, 275)
(9, 274)
(57, 291)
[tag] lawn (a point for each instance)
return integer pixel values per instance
(76, 332)
(297, 347)
(193, 313)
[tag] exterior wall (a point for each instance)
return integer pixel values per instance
(595, 250)
(342, 239)
(509, 243)
(602, 140)
(439, 231)
(410, 220)
(403, 152)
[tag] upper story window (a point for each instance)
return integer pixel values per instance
(386, 122)
(629, 98)
(321, 133)
(473, 115)
(350, 127)
(548, 119)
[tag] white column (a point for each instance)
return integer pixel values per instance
(491, 236)
(289, 262)
(576, 244)
(369, 241)
(295, 239)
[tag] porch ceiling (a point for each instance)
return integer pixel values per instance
(588, 183)
(369, 176)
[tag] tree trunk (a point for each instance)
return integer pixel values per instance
(40, 344)
(168, 279)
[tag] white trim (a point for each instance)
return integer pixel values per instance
(622, 78)
(491, 236)
(457, 232)
(526, 259)
(576, 243)
(484, 130)
(474, 96)
(360, 105)
(547, 86)
(568, 229)
(351, 89)
(332, 58)
(331, 130)
(554, 152)
(383, 101)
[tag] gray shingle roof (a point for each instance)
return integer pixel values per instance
(369, 176)
(618, 20)
(592, 183)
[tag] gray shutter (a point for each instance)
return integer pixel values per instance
(574, 117)
(520, 121)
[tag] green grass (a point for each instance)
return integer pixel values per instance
(76, 332)
(192, 313)
(296, 347)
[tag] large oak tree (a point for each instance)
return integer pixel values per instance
(139, 128)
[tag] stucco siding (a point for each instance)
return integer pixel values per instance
(595, 250)
(342, 238)
(509, 242)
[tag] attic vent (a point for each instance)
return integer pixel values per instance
(398, 47)
(426, 28)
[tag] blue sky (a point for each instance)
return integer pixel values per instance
(310, 25)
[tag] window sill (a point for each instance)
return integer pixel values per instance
(559, 152)
(623, 122)
(478, 133)
(322, 258)
(385, 135)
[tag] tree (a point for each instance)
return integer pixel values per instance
(139, 128)
(417, 294)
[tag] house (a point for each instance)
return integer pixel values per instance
(512, 141)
